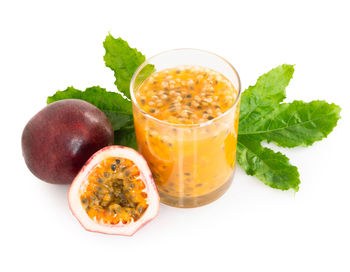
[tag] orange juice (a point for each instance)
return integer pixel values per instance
(186, 128)
(186, 95)
(186, 109)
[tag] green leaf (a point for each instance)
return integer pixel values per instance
(270, 167)
(124, 61)
(297, 123)
(126, 137)
(144, 73)
(263, 118)
(118, 120)
(260, 100)
(114, 105)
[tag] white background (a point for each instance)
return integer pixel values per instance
(46, 46)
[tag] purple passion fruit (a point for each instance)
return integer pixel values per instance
(59, 139)
(114, 193)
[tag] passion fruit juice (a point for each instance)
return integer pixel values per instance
(186, 123)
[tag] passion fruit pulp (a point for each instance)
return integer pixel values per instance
(114, 193)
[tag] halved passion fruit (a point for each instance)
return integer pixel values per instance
(114, 193)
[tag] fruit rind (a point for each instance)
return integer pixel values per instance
(60, 138)
(145, 174)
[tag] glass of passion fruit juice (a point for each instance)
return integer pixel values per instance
(186, 112)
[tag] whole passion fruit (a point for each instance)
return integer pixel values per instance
(114, 192)
(59, 139)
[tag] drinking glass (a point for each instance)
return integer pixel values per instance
(192, 164)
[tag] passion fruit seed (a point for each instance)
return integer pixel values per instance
(186, 95)
(114, 192)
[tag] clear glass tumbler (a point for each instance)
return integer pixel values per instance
(192, 164)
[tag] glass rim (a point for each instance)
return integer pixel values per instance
(204, 124)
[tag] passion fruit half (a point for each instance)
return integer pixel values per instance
(114, 192)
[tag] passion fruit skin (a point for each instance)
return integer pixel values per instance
(60, 138)
(80, 180)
